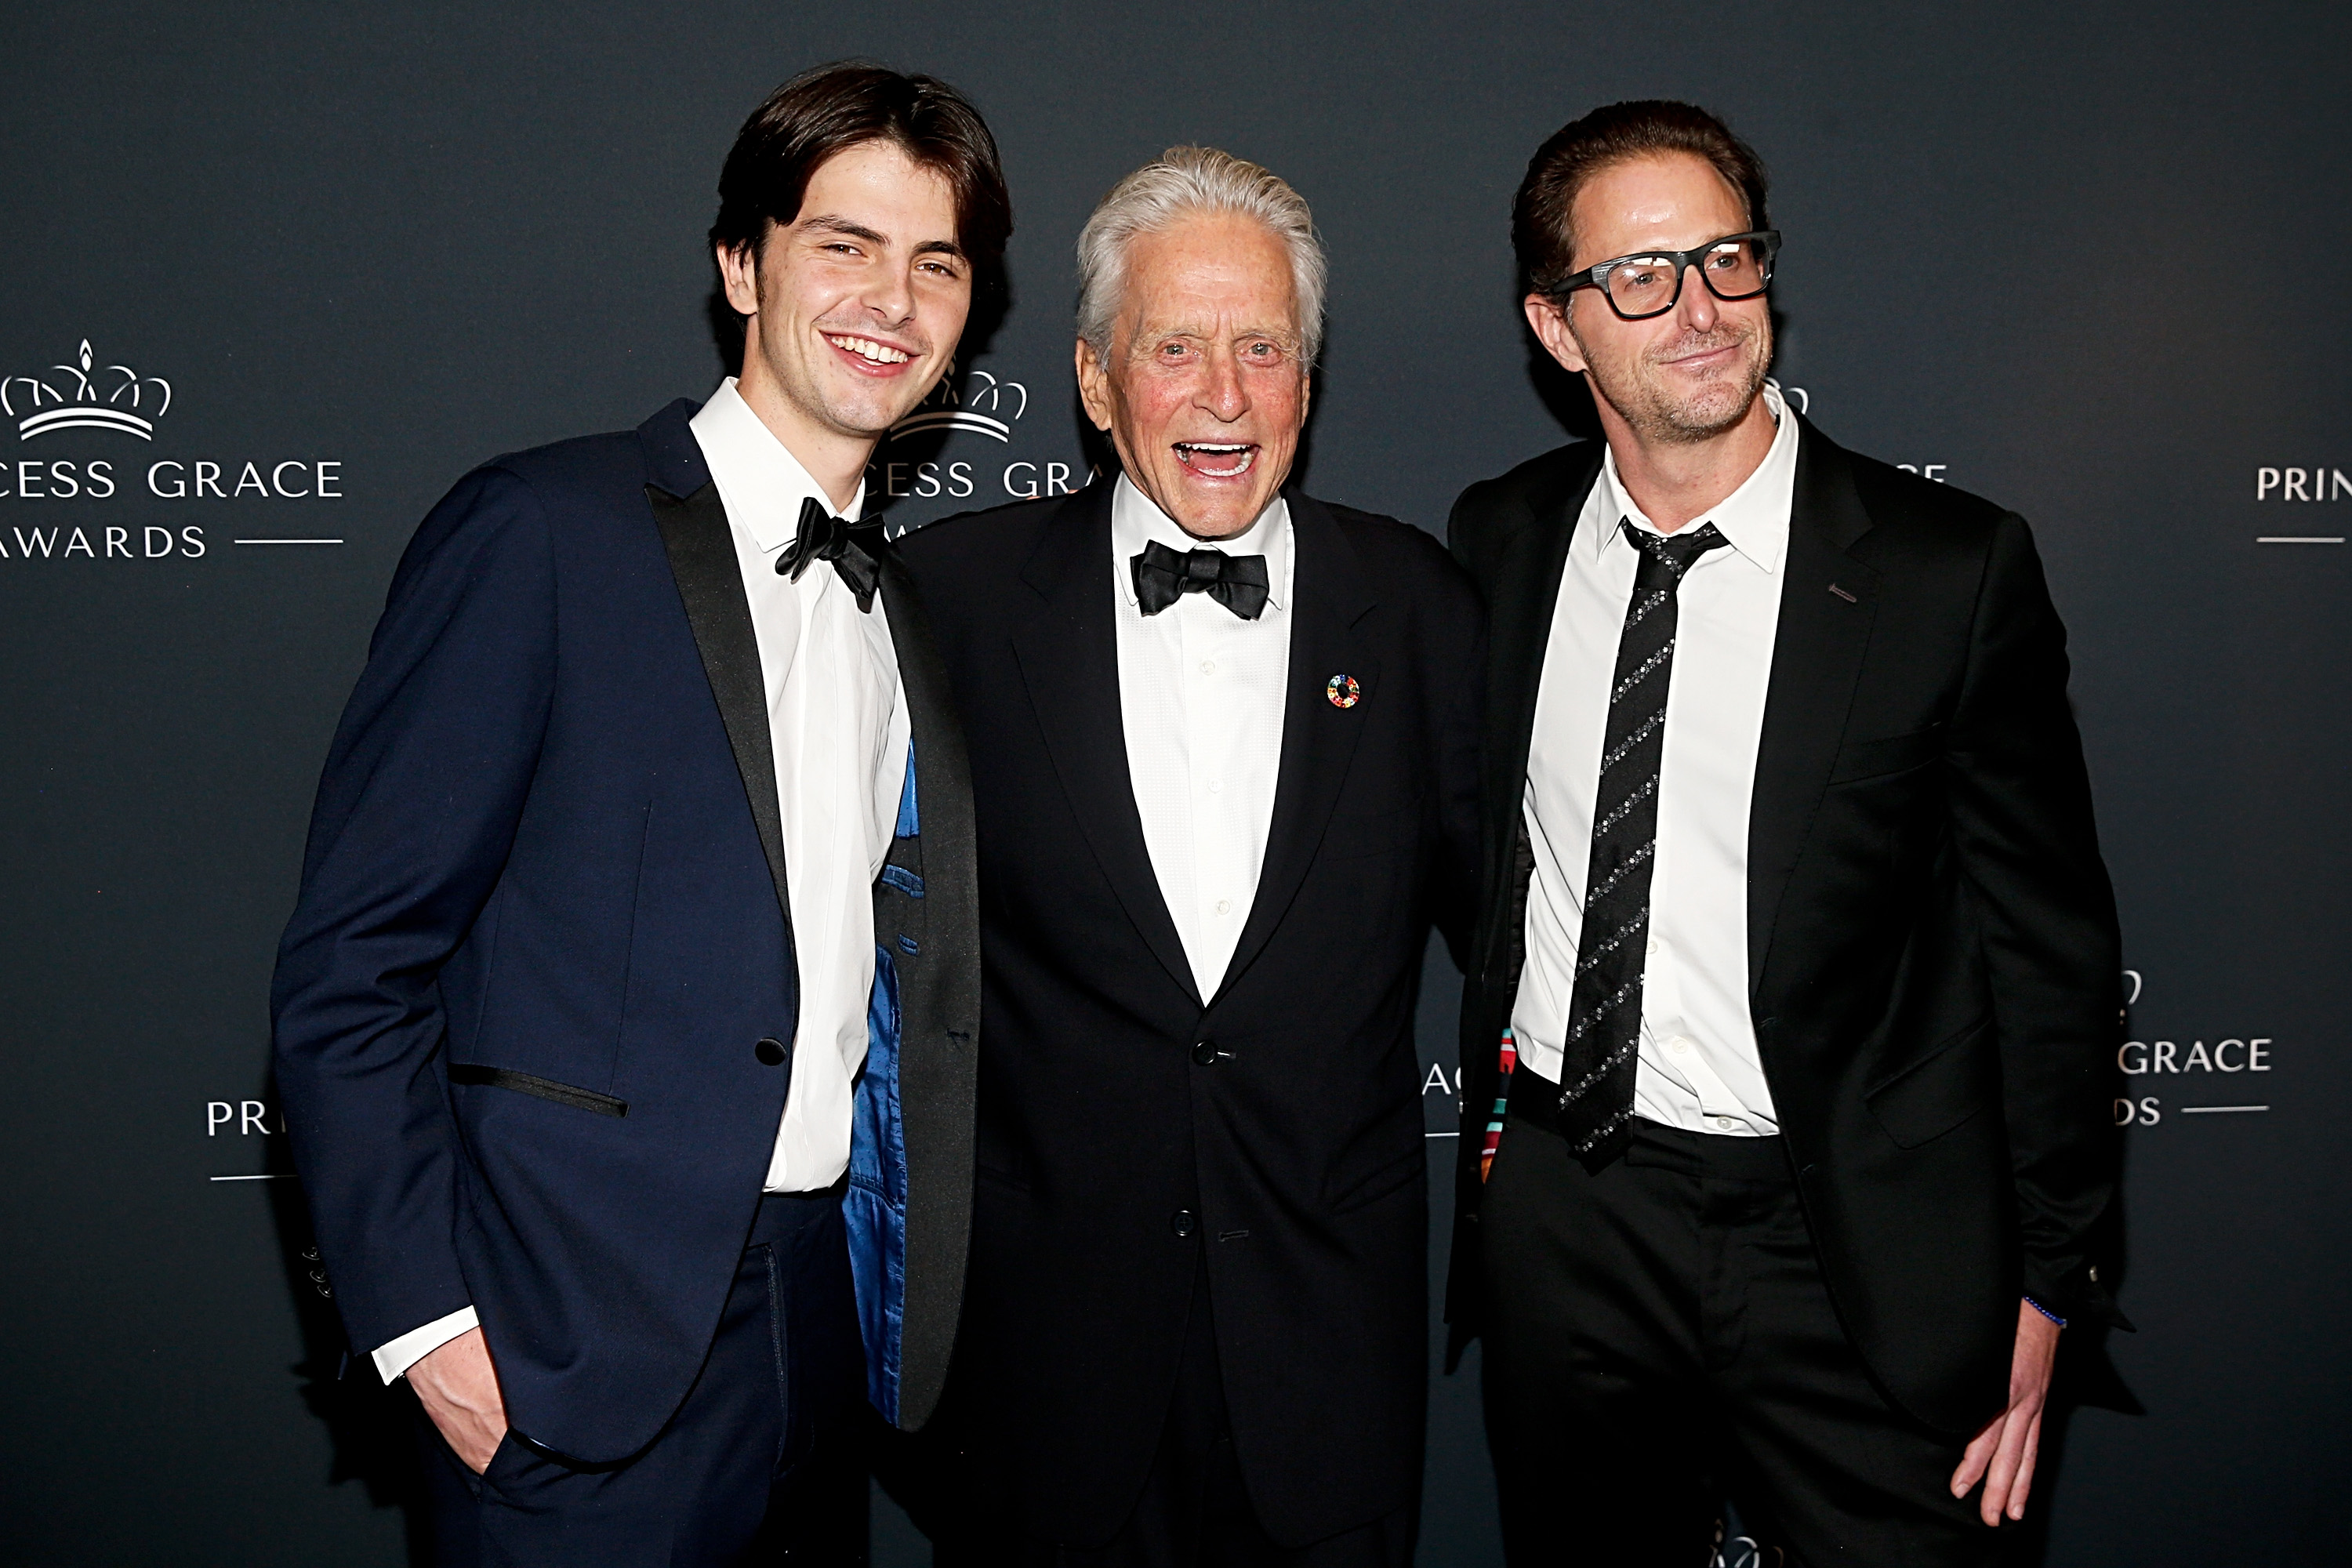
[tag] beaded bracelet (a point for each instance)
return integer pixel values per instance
(2045, 1311)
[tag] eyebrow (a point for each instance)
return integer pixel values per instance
(828, 224)
(831, 225)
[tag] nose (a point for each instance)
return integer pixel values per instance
(1696, 308)
(891, 295)
(1223, 394)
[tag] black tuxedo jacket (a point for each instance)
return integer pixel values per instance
(1130, 1130)
(526, 1008)
(1933, 958)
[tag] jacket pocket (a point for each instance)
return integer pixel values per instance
(543, 1088)
(1929, 1099)
(1858, 760)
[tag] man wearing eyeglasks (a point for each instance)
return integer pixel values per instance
(1794, 974)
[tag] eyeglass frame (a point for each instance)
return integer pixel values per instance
(1597, 275)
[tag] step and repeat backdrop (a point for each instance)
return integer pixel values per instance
(273, 278)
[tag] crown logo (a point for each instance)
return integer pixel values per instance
(953, 408)
(93, 396)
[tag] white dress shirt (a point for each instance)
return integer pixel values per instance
(1698, 1065)
(838, 724)
(1200, 694)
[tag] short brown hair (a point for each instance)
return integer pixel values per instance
(1541, 232)
(832, 107)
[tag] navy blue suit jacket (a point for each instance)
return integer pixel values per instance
(521, 1007)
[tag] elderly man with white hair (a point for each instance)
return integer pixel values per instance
(1224, 747)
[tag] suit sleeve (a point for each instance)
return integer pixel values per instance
(2029, 852)
(416, 813)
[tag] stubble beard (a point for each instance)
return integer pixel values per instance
(1638, 392)
(867, 418)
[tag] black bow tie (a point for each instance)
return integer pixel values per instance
(848, 545)
(1163, 575)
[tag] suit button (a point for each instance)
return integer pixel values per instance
(1183, 1221)
(1204, 1053)
(770, 1052)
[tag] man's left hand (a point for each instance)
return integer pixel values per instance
(2002, 1454)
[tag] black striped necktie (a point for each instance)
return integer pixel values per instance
(1604, 1013)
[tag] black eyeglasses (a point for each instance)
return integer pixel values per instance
(1650, 282)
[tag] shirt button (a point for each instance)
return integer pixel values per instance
(1655, 945)
(1216, 786)
(1225, 906)
(1679, 1045)
(1208, 667)
(1724, 1122)
(1183, 1221)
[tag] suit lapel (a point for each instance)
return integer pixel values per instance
(1817, 655)
(943, 786)
(1521, 602)
(939, 1008)
(1522, 593)
(701, 549)
(1329, 597)
(1068, 652)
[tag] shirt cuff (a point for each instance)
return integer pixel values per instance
(394, 1357)
(2029, 1301)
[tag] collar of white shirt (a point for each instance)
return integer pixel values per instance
(1754, 518)
(760, 480)
(1136, 519)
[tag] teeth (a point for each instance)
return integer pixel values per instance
(880, 353)
(1199, 449)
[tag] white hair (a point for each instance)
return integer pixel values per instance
(1187, 182)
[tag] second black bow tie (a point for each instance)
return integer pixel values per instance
(848, 545)
(1163, 575)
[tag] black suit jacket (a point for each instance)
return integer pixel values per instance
(542, 938)
(1933, 958)
(1281, 1118)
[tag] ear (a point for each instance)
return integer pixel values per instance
(1094, 385)
(1549, 320)
(738, 273)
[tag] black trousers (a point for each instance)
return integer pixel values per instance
(1194, 1510)
(1659, 1338)
(758, 1464)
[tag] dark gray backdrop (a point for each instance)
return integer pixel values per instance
(2088, 262)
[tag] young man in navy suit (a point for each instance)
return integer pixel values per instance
(583, 993)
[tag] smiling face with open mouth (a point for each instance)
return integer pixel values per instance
(1204, 391)
(853, 310)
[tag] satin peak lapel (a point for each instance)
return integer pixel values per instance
(1069, 662)
(701, 549)
(1329, 597)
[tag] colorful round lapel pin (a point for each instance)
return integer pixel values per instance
(1343, 691)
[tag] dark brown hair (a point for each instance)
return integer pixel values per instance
(833, 108)
(1541, 234)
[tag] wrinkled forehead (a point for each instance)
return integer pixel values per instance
(1215, 276)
